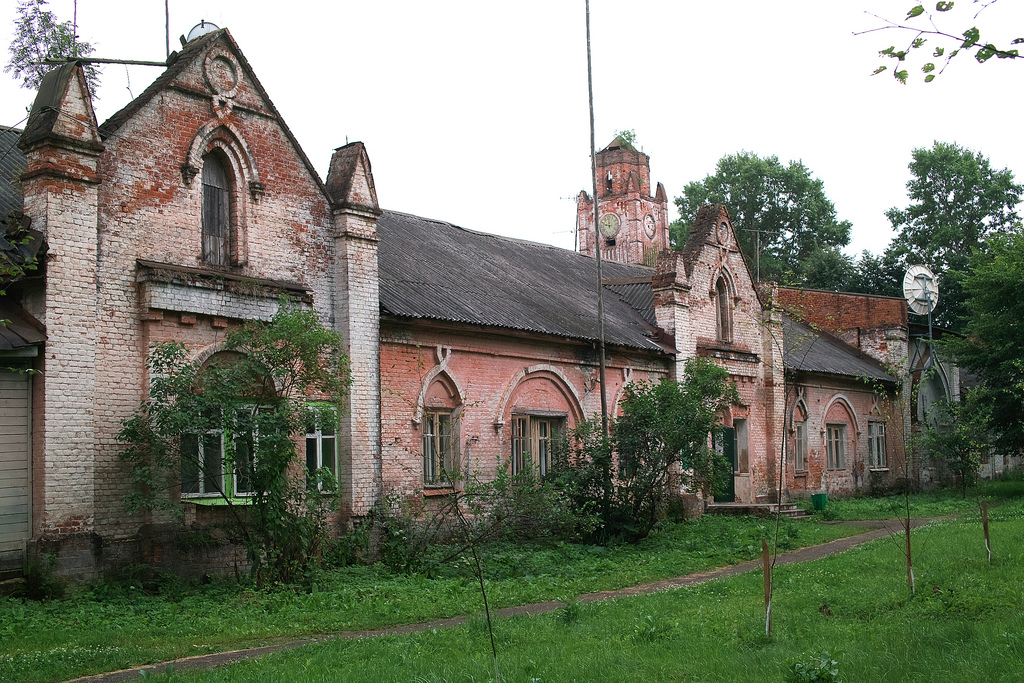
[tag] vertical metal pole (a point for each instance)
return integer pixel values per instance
(167, 25)
(597, 237)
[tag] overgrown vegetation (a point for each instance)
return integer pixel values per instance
(226, 429)
(964, 624)
(137, 619)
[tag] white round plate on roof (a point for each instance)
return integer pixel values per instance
(921, 289)
(201, 29)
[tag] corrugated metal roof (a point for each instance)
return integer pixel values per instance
(20, 329)
(808, 350)
(12, 163)
(434, 270)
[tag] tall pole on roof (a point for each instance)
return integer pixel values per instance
(167, 26)
(597, 238)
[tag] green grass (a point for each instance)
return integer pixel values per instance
(111, 626)
(965, 623)
(937, 503)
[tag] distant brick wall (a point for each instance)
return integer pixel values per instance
(874, 324)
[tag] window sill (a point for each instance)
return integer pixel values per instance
(429, 491)
(878, 469)
(800, 473)
(218, 501)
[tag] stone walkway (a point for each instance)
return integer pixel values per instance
(879, 529)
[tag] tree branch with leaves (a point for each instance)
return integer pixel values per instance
(922, 27)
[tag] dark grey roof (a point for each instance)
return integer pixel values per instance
(809, 350)
(434, 270)
(12, 163)
(20, 329)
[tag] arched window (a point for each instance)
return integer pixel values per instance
(216, 211)
(723, 310)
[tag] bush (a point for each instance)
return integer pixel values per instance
(818, 668)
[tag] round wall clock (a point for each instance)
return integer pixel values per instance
(609, 225)
(649, 225)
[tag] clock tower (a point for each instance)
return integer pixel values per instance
(633, 225)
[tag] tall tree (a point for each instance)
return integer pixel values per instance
(38, 35)
(993, 344)
(958, 202)
(922, 27)
(781, 213)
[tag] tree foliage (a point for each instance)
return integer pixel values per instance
(939, 46)
(660, 442)
(782, 210)
(993, 343)
(38, 35)
(958, 202)
(272, 382)
(959, 435)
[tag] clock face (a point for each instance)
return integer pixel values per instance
(723, 233)
(649, 226)
(609, 225)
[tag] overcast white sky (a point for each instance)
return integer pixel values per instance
(475, 112)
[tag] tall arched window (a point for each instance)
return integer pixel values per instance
(216, 211)
(723, 309)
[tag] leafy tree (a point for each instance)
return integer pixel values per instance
(921, 26)
(660, 442)
(993, 344)
(959, 202)
(960, 435)
(38, 36)
(781, 209)
(256, 397)
(878, 275)
(828, 269)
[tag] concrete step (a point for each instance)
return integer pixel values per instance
(791, 510)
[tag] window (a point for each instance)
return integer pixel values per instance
(438, 456)
(216, 211)
(723, 309)
(202, 464)
(876, 444)
(835, 444)
(322, 446)
(800, 446)
(532, 441)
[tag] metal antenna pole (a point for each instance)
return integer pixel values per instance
(597, 237)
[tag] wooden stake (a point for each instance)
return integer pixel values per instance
(910, 568)
(766, 557)
(984, 525)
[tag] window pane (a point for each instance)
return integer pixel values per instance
(244, 464)
(190, 463)
(311, 459)
(329, 459)
(212, 457)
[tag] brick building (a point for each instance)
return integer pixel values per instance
(194, 209)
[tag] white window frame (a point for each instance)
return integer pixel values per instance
(533, 436)
(835, 446)
(202, 489)
(438, 447)
(315, 441)
(876, 445)
(800, 446)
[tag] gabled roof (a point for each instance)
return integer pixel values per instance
(809, 350)
(176, 63)
(433, 270)
(12, 163)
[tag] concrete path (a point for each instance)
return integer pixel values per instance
(879, 528)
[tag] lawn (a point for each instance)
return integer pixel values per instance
(119, 624)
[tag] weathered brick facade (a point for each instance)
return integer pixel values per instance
(131, 264)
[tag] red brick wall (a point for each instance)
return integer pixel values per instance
(490, 372)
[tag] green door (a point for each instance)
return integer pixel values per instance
(728, 448)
